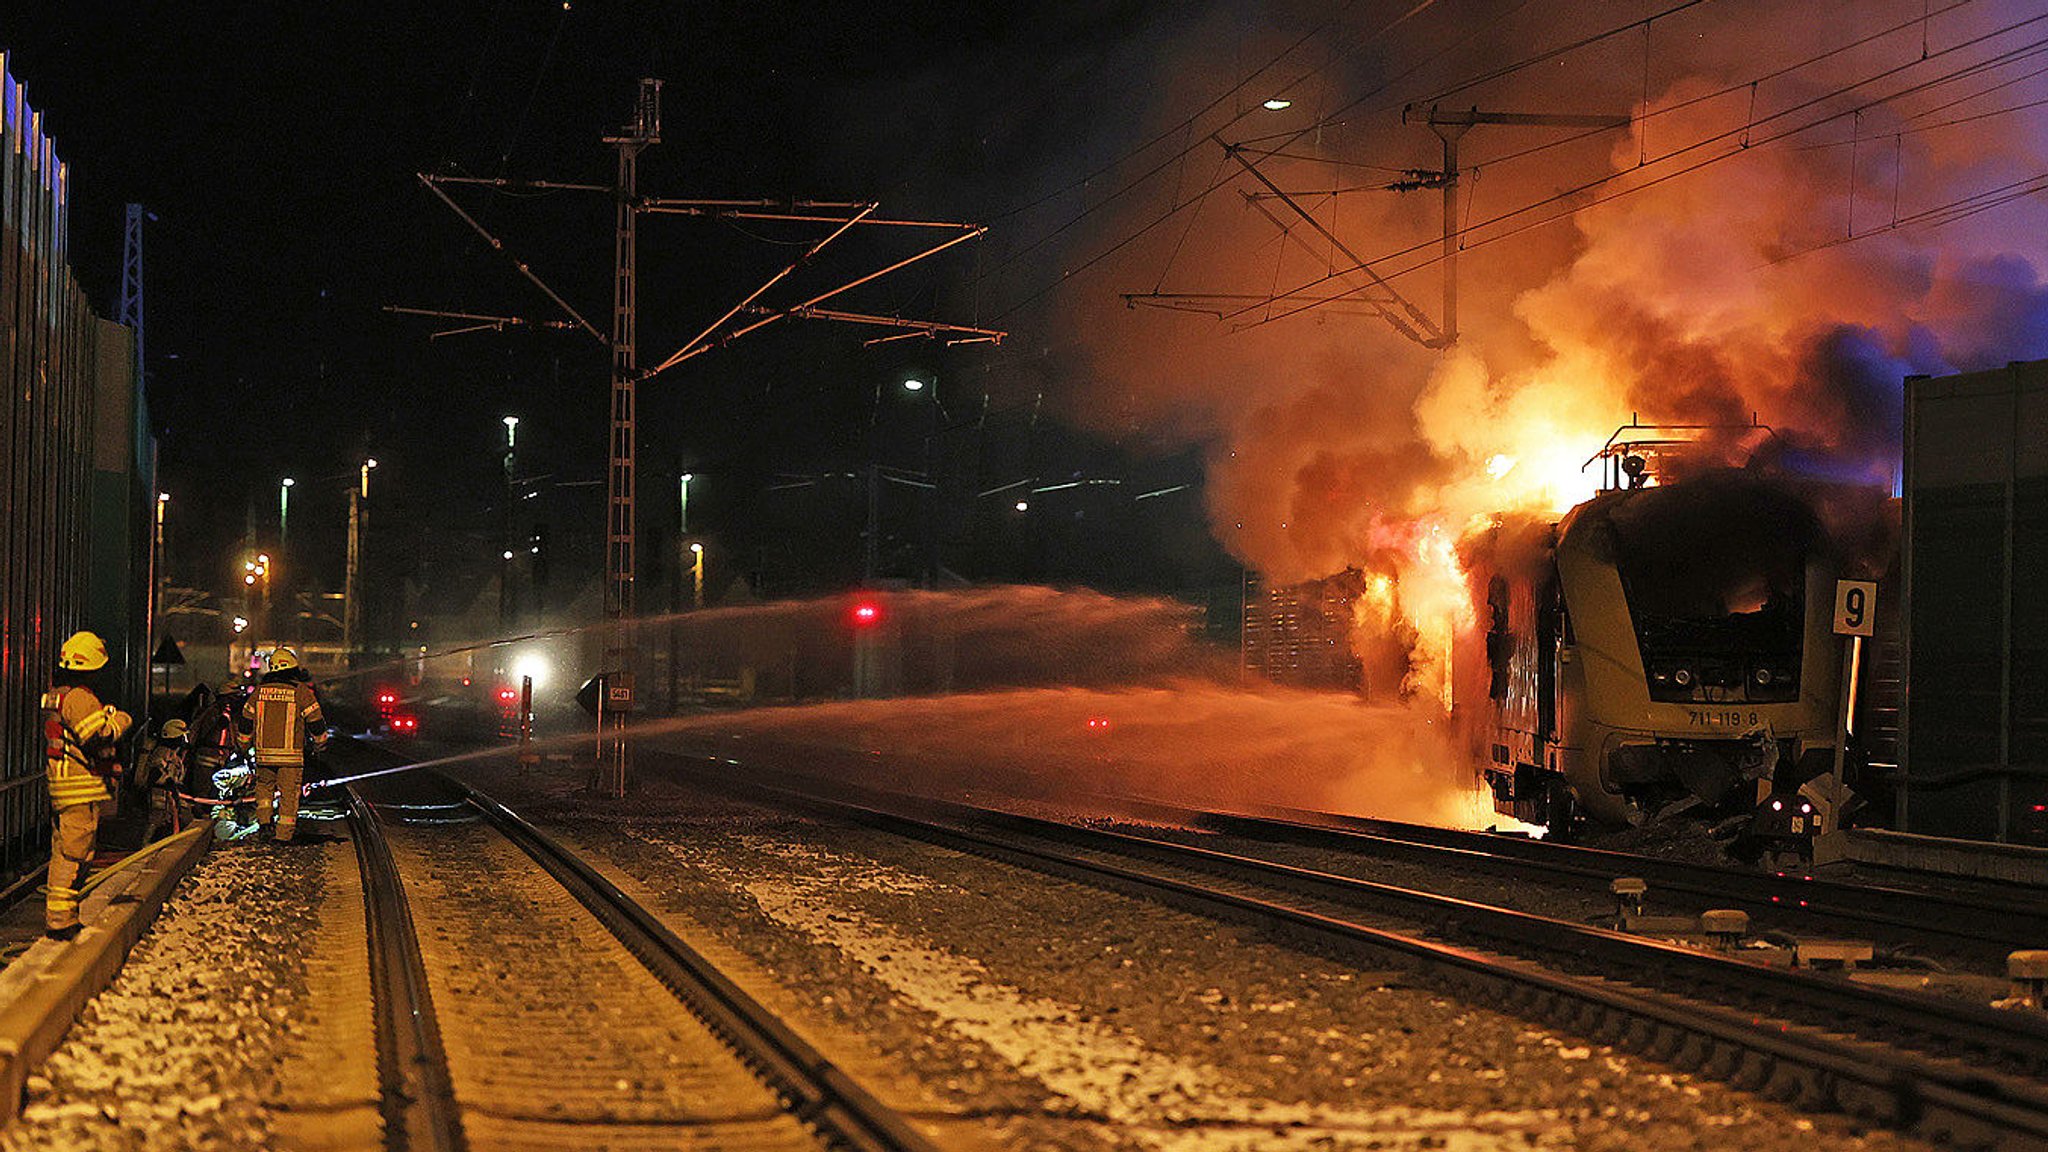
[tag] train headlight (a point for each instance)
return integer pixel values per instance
(1777, 805)
(1682, 677)
(1763, 677)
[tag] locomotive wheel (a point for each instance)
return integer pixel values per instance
(1561, 810)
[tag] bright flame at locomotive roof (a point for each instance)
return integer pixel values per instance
(1665, 647)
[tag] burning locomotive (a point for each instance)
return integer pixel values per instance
(1664, 648)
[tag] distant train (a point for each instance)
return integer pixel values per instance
(1660, 650)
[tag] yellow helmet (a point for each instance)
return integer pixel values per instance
(281, 659)
(175, 730)
(84, 652)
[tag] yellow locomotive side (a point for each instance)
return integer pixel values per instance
(1616, 698)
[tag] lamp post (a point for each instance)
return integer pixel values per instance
(158, 581)
(505, 574)
(358, 518)
(675, 596)
(284, 519)
(915, 386)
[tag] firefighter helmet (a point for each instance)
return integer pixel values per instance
(175, 730)
(281, 659)
(84, 652)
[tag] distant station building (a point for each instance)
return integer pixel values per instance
(1300, 635)
(1975, 566)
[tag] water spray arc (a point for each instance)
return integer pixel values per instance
(622, 343)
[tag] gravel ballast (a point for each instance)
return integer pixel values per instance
(184, 1050)
(1065, 1016)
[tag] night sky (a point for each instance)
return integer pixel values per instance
(277, 144)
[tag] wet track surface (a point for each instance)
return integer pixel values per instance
(556, 1036)
(998, 1006)
(1066, 1016)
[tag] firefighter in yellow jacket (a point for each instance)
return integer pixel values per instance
(79, 739)
(281, 718)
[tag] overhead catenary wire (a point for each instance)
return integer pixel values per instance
(1575, 192)
(1144, 177)
(1289, 137)
(1751, 84)
(1936, 216)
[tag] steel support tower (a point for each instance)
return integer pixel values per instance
(131, 280)
(747, 316)
(615, 758)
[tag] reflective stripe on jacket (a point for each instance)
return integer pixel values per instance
(282, 713)
(76, 729)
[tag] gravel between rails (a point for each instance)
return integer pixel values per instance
(184, 1049)
(1074, 1018)
(556, 1036)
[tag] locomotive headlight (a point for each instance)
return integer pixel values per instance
(1777, 805)
(1682, 677)
(1763, 676)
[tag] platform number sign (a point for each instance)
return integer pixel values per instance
(1855, 607)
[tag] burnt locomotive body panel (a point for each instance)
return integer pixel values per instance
(1633, 671)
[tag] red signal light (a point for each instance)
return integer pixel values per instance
(1098, 723)
(866, 614)
(507, 695)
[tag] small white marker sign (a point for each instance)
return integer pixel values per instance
(1855, 607)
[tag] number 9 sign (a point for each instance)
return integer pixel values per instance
(1855, 607)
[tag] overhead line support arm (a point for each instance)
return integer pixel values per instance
(530, 274)
(785, 313)
(1427, 334)
(771, 282)
(1450, 127)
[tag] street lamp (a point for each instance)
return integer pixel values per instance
(1023, 505)
(915, 385)
(511, 432)
(352, 605)
(158, 579)
(284, 511)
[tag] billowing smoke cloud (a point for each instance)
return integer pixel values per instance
(1794, 278)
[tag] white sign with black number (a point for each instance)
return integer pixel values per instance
(1855, 607)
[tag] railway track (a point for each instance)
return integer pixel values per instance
(1974, 922)
(1945, 1070)
(496, 906)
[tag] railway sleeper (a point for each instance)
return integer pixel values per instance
(1695, 1034)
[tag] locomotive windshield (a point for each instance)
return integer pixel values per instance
(1714, 570)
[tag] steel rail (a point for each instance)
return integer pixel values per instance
(1821, 1066)
(419, 1109)
(2016, 1041)
(1969, 919)
(815, 1089)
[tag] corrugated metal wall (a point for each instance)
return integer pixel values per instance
(52, 357)
(1976, 716)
